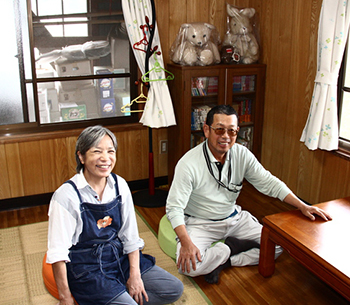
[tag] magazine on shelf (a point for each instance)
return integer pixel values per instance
(203, 86)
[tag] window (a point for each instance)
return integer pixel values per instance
(64, 63)
(344, 104)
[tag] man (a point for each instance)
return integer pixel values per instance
(201, 204)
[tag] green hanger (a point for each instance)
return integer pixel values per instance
(157, 68)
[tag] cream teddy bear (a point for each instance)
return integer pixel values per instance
(196, 44)
(240, 34)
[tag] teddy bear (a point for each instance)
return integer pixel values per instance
(240, 34)
(196, 44)
(229, 55)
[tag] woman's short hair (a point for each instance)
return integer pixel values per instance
(90, 137)
(220, 109)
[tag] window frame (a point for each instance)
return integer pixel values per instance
(37, 127)
(343, 145)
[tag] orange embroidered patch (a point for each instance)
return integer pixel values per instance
(105, 222)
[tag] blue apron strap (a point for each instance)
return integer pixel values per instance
(116, 183)
(76, 189)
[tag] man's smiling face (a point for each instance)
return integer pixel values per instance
(219, 145)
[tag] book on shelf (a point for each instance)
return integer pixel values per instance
(243, 107)
(203, 86)
(243, 83)
(198, 116)
(213, 85)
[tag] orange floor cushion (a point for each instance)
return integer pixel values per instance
(49, 279)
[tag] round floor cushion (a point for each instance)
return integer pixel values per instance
(167, 237)
(49, 279)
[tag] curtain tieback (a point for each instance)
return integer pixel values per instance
(326, 77)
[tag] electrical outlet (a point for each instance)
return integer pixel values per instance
(163, 146)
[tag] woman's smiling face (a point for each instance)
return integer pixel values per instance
(99, 161)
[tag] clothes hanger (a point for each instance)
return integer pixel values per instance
(157, 68)
(136, 100)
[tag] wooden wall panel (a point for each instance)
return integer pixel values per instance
(15, 178)
(48, 161)
(197, 10)
(5, 191)
(217, 16)
(32, 169)
(162, 17)
(41, 166)
(177, 16)
(70, 153)
(288, 40)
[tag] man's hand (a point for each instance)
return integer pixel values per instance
(307, 210)
(189, 253)
(310, 211)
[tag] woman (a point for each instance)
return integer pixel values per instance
(93, 241)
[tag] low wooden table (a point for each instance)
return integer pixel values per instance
(323, 247)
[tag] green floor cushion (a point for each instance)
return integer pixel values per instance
(167, 237)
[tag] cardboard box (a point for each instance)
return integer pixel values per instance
(72, 112)
(42, 73)
(74, 85)
(55, 116)
(77, 68)
(52, 99)
(44, 116)
(42, 101)
(86, 96)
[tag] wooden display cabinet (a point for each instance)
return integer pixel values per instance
(196, 89)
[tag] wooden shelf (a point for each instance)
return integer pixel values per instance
(252, 77)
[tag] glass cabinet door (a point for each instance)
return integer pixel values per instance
(245, 92)
(206, 92)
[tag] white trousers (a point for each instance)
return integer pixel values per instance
(204, 233)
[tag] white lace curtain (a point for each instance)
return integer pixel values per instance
(158, 111)
(321, 129)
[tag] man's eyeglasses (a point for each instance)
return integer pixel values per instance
(220, 131)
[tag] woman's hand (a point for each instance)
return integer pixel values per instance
(134, 284)
(69, 301)
(60, 274)
(136, 289)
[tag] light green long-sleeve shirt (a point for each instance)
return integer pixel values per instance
(195, 192)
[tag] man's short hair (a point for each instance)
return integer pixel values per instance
(220, 109)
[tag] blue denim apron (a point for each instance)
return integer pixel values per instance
(98, 270)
